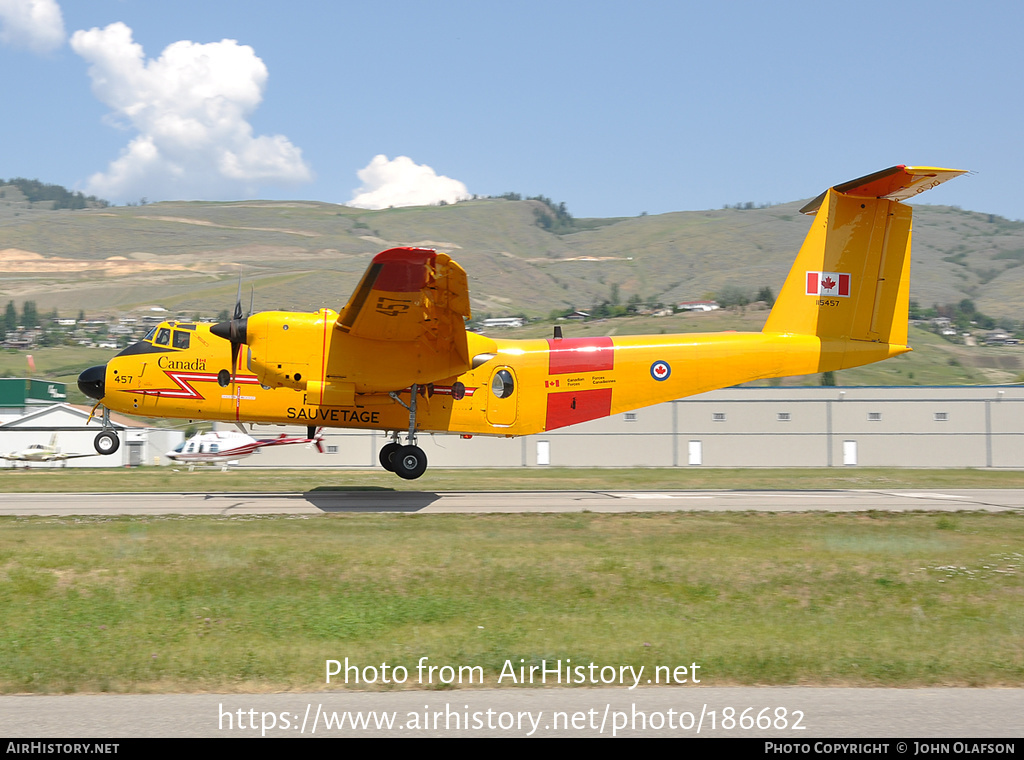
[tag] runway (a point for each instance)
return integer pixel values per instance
(328, 501)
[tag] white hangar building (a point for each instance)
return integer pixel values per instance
(940, 427)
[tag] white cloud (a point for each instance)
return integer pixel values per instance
(34, 24)
(404, 183)
(190, 108)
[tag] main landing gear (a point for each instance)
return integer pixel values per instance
(409, 461)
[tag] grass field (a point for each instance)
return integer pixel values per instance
(253, 604)
(164, 479)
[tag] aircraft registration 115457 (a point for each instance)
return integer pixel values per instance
(398, 357)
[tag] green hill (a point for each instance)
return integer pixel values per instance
(301, 255)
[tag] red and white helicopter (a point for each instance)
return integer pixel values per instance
(226, 446)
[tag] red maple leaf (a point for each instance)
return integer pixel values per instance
(828, 283)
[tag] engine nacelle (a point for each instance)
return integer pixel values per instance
(286, 349)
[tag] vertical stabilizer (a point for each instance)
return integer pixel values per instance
(851, 279)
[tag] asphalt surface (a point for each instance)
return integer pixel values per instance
(455, 502)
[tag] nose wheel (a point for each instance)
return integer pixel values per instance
(106, 441)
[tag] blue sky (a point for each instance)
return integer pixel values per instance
(614, 108)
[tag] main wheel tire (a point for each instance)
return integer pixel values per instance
(387, 455)
(106, 442)
(410, 462)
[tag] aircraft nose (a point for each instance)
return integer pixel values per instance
(92, 381)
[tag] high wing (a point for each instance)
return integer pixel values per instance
(404, 324)
(412, 294)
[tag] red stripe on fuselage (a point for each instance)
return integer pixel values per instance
(571, 355)
(184, 382)
(572, 407)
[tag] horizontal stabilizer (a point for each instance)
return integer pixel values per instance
(897, 183)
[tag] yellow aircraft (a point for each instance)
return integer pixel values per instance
(398, 357)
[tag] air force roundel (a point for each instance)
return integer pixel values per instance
(660, 370)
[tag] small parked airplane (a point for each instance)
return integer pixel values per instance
(226, 446)
(398, 356)
(41, 452)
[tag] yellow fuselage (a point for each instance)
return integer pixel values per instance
(517, 387)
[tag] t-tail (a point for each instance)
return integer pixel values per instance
(844, 304)
(850, 284)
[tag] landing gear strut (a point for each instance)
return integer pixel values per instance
(409, 461)
(106, 441)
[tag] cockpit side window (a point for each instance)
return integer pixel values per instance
(163, 337)
(181, 339)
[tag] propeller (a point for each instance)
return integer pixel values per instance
(234, 330)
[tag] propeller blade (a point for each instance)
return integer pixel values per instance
(238, 298)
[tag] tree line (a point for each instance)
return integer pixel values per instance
(36, 191)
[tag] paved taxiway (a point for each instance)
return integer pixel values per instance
(456, 502)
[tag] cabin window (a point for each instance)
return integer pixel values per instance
(502, 385)
(941, 416)
(214, 448)
(782, 417)
(718, 416)
(630, 416)
(181, 339)
(874, 416)
(163, 337)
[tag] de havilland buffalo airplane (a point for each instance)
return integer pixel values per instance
(398, 357)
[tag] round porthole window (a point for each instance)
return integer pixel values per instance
(502, 385)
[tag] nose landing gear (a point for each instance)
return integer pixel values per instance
(106, 441)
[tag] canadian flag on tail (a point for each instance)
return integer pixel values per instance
(828, 284)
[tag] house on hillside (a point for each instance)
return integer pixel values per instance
(697, 306)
